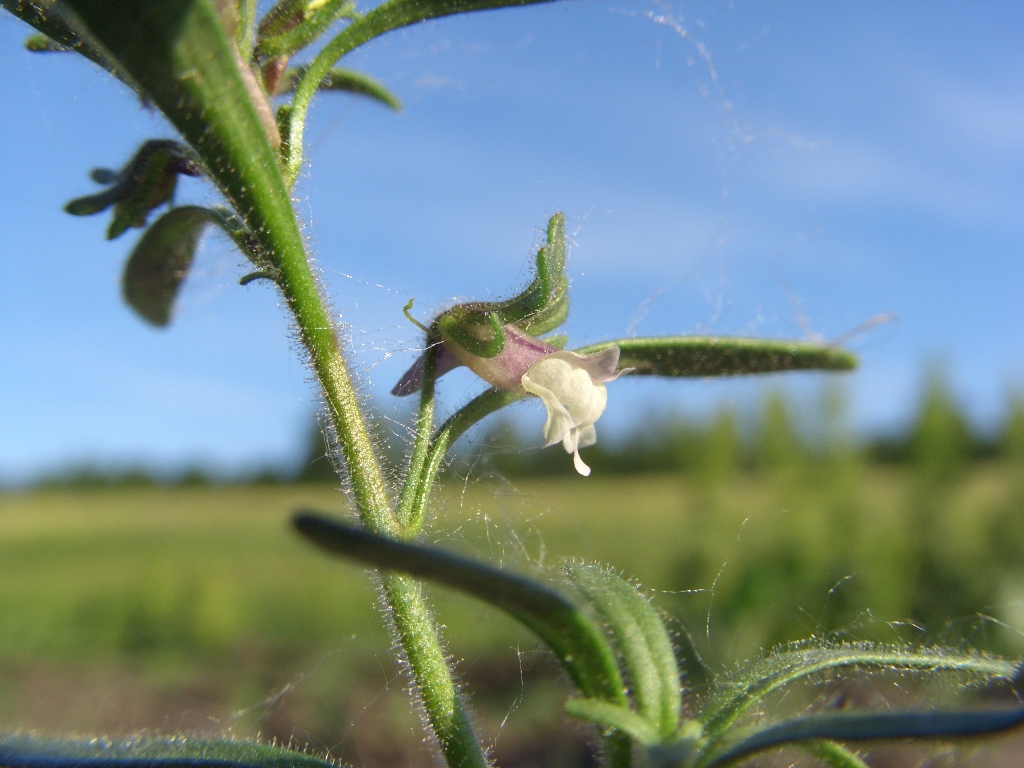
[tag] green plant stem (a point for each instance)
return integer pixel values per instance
(415, 629)
(320, 339)
(476, 409)
(416, 477)
(413, 624)
(181, 56)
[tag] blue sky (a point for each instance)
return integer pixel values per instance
(778, 169)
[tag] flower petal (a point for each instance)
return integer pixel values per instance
(571, 444)
(577, 462)
(602, 366)
(559, 423)
(571, 386)
(588, 436)
(579, 437)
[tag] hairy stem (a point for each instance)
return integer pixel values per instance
(476, 409)
(417, 482)
(415, 629)
(182, 57)
(413, 623)
(320, 339)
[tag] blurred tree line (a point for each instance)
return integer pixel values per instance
(940, 439)
(795, 525)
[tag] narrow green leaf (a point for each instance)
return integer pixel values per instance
(54, 27)
(160, 262)
(304, 33)
(606, 715)
(92, 204)
(562, 625)
(246, 22)
(29, 751)
(736, 693)
(700, 356)
(346, 80)
(870, 726)
(641, 639)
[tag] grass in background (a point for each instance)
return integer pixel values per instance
(195, 608)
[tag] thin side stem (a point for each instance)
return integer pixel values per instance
(416, 631)
(476, 409)
(413, 624)
(417, 478)
(386, 17)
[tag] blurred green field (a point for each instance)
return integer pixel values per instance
(197, 608)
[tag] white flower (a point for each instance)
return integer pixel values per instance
(572, 389)
(571, 385)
